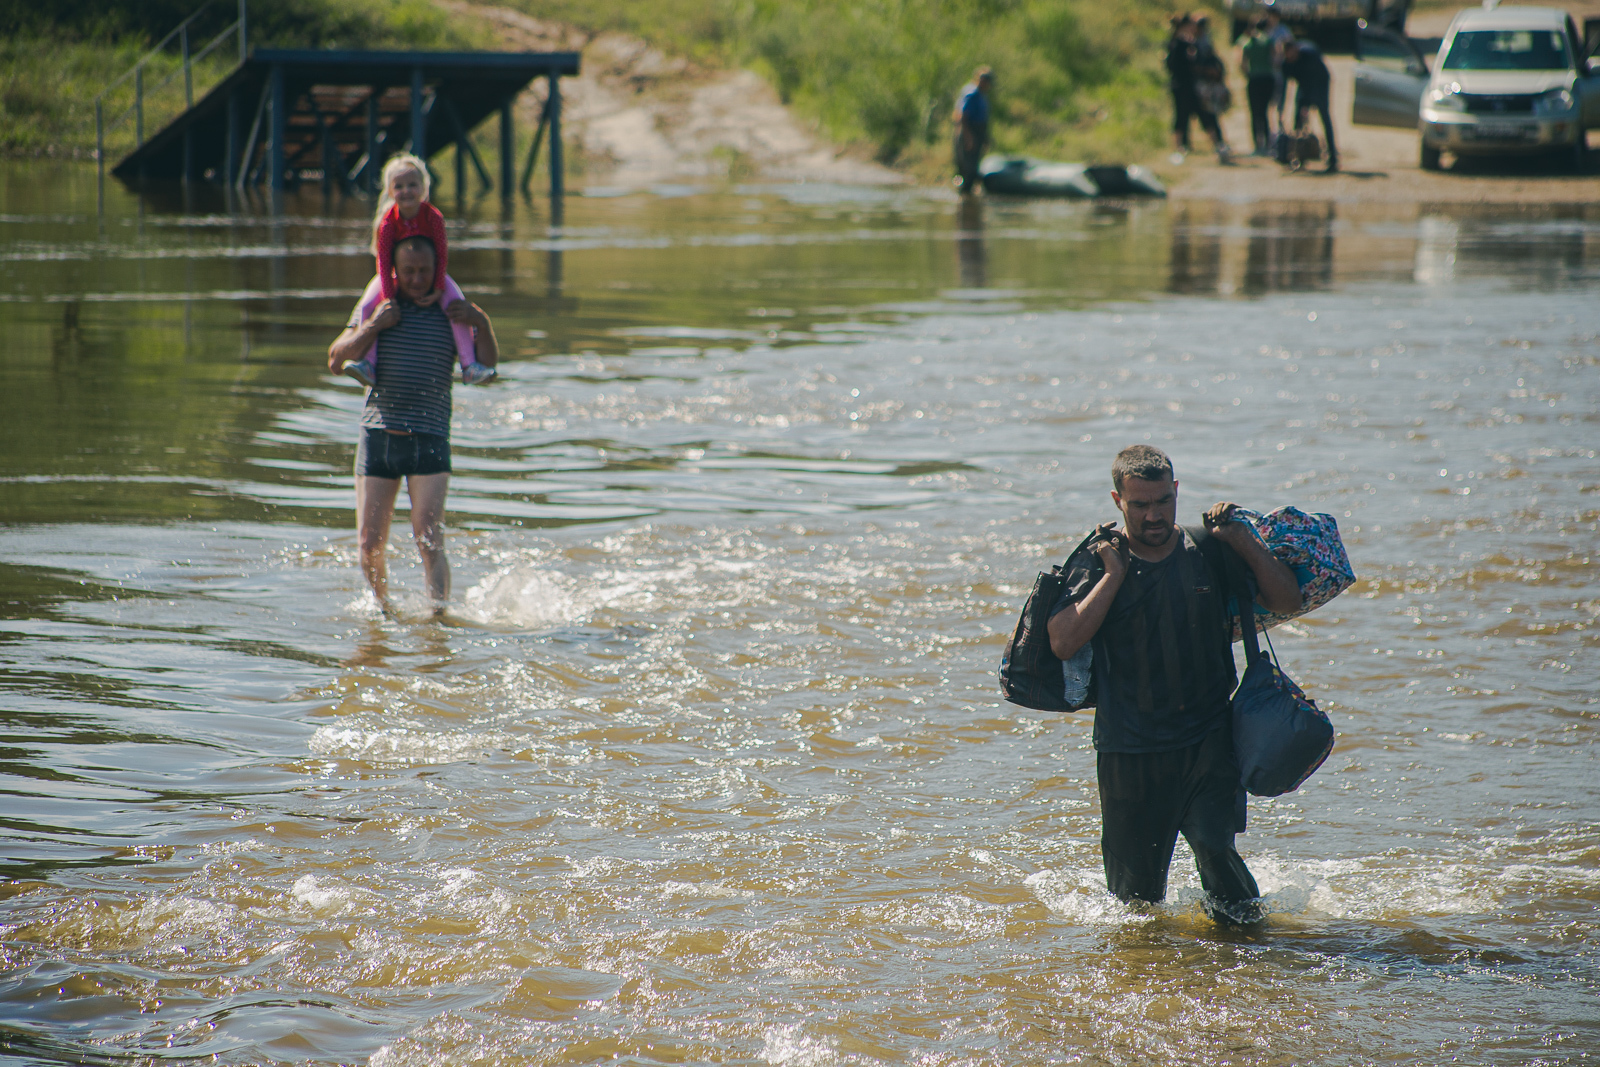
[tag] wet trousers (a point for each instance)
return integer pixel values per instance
(1147, 799)
(966, 162)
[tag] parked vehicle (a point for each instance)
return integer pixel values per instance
(1503, 81)
(1331, 23)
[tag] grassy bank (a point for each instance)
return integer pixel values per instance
(1078, 79)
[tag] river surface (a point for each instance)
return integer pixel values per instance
(707, 762)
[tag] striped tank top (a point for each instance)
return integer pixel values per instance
(416, 359)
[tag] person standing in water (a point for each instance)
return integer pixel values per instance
(1156, 615)
(405, 426)
(404, 211)
(971, 120)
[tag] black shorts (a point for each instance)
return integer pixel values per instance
(380, 454)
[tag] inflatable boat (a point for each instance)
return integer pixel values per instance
(1020, 176)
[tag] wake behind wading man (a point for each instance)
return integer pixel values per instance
(1155, 612)
(405, 425)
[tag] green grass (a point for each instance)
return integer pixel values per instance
(1076, 79)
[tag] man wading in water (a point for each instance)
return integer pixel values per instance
(405, 426)
(1163, 668)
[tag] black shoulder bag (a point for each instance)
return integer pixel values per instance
(1280, 736)
(1030, 674)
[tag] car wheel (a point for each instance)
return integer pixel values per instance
(1430, 157)
(1579, 158)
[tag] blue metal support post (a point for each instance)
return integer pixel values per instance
(508, 164)
(277, 151)
(557, 189)
(370, 174)
(419, 117)
(230, 148)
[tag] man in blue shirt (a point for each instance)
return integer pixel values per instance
(1154, 608)
(972, 128)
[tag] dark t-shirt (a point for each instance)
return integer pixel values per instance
(416, 359)
(1163, 660)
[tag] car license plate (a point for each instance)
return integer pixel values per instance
(1501, 131)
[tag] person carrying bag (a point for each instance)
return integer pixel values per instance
(1141, 630)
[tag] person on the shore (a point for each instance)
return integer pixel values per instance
(1313, 85)
(1156, 615)
(1260, 82)
(405, 426)
(1210, 73)
(1183, 84)
(971, 118)
(1278, 36)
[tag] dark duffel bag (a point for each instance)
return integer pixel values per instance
(1280, 736)
(1030, 674)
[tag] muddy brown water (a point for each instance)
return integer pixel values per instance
(707, 764)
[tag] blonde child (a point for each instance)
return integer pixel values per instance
(404, 211)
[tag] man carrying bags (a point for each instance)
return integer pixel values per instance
(1155, 612)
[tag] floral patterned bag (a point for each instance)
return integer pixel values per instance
(1311, 547)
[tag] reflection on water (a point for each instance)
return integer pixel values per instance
(706, 764)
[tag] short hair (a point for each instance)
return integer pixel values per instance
(1142, 462)
(416, 240)
(982, 73)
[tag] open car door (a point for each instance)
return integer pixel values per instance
(1391, 75)
(1589, 73)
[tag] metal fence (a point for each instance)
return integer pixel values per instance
(188, 59)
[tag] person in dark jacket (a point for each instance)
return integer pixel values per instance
(1313, 84)
(1183, 80)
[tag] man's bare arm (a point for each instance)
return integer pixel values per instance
(1276, 586)
(354, 342)
(1074, 625)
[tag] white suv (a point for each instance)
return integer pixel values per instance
(1506, 80)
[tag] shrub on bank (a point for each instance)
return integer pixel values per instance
(1075, 78)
